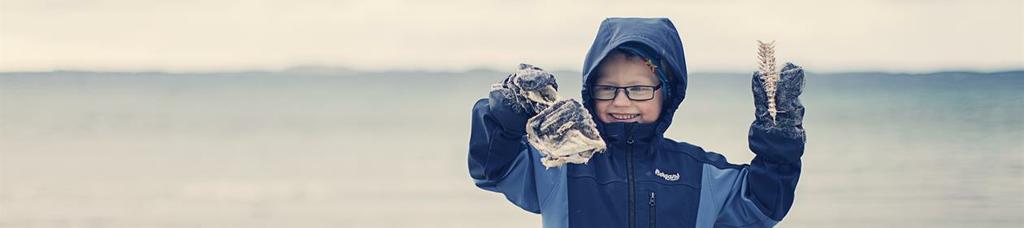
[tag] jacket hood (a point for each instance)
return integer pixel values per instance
(656, 36)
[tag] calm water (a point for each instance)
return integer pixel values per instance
(389, 149)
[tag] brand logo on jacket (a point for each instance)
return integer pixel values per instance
(668, 177)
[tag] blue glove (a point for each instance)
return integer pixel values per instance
(520, 96)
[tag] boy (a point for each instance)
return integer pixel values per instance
(634, 79)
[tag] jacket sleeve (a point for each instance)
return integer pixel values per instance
(500, 161)
(759, 194)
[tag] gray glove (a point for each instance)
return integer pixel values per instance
(789, 112)
(562, 130)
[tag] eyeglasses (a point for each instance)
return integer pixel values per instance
(636, 93)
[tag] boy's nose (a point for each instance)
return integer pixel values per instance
(620, 98)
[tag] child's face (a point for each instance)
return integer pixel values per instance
(621, 71)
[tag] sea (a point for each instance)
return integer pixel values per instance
(323, 148)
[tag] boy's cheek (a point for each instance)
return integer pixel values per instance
(651, 110)
(601, 112)
(651, 118)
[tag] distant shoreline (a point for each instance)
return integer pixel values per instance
(348, 72)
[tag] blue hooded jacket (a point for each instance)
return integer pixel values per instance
(643, 179)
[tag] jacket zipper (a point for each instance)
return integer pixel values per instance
(653, 211)
(629, 177)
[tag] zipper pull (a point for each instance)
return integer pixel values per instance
(652, 199)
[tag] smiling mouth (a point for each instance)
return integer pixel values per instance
(624, 116)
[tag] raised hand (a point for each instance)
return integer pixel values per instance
(785, 99)
(565, 133)
(520, 96)
(529, 90)
(562, 130)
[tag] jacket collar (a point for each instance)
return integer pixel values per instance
(635, 135)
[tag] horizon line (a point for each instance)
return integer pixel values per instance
(323, 69)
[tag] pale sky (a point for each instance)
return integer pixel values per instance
(718, 35)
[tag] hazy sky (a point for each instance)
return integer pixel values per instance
(718, 35)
